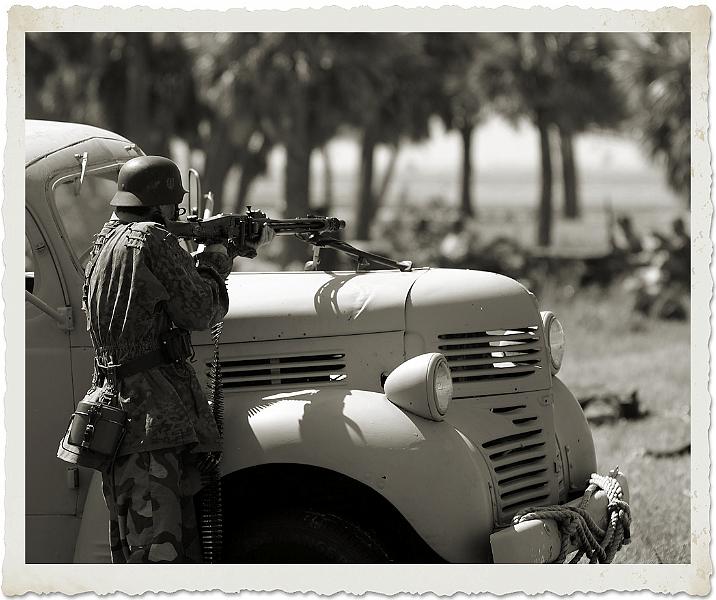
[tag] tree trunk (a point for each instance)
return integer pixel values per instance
(387, 177)
(366, 197)
(254, 165)
(544, 218)
(137, 113)
(328, 197)
(219, 160)
(466, 208)
(298, 171)
(571, 207)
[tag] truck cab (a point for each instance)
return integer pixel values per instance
(369, 416)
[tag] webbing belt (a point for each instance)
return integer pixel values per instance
(135, 365)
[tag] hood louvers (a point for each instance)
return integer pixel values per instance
(314, 369)
(489, 355)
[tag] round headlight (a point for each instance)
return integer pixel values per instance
(555, 340)
(421, 385)
(442, 385)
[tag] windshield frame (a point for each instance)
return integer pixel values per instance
(110, 167)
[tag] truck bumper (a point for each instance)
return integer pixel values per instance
(539, 540)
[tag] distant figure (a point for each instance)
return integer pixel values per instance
(624, 239)
(663, 282)
(677, 266)
(458, 246)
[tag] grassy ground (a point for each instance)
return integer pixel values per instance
(611, 350)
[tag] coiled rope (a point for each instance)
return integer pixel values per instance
(578, 529)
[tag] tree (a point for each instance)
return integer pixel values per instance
(461, 96)
(590, 98)
(230, 121)
(558, 81)
(285, 84)
(656, 74)
(133, 83)
(382, 81)
(523, 77)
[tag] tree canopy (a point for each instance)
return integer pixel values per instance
(236, 96)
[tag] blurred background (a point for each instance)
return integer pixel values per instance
(559, 159)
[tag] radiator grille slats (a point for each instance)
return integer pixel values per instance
(491, 355)
(522, 450)
(520, 475)
(516, 483)
(277, 371)
(487, 360)
(285, 366)
(526, 500)
(520, 453)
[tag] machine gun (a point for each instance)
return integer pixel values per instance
(240, 229)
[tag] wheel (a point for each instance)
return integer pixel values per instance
(302, 536)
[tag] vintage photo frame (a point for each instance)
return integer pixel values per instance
(693, 578)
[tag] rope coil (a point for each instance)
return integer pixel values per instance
(577, 527)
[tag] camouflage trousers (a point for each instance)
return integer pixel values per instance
(151, 507)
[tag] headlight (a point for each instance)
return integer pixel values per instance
(555, 339)
(421, 385)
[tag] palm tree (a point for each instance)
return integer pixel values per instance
(590, 98)
(461, 96)
(655, 71)
(382, 81)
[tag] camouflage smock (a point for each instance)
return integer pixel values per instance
(138, 282)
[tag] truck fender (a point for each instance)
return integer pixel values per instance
(427, 470)
(574, 437)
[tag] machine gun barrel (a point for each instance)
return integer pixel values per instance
(305, 225)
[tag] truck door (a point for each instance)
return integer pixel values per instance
(51, 498)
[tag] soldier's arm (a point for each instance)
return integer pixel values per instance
(197, 296)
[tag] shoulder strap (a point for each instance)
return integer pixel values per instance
(109, 230)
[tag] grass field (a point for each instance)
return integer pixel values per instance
(609, 349)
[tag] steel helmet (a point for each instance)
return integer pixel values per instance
(148, 181)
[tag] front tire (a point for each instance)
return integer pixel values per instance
(303, 536)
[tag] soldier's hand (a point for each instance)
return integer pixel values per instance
(267, 234)
(218, 247)
(249, 249)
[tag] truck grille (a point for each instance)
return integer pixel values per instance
(521, 457)
(314, 369)
(490, 355)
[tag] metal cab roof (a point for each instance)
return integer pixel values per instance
(43, 138)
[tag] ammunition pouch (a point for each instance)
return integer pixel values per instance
(176, 345)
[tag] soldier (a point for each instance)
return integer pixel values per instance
(142, 295)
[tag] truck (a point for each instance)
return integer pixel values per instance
(393, 415)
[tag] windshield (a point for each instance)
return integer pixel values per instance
(84, 209)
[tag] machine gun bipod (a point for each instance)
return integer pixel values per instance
(362, 256)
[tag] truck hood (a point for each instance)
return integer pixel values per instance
(290, 305)
(294, 305)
